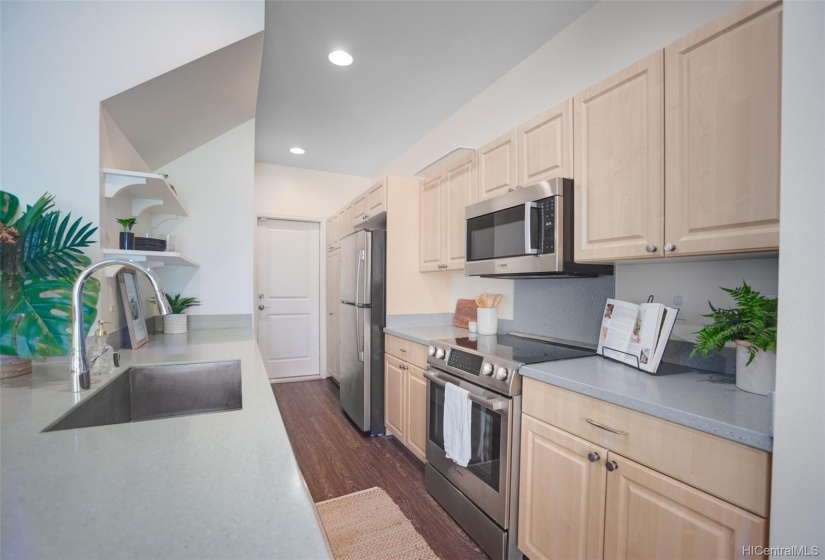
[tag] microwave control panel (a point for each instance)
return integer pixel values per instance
(547, 217)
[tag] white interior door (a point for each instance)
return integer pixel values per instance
(288, 304)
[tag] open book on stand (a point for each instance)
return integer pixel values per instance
(636, 334)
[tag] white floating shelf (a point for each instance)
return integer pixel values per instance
(152, 259)
(147, 190)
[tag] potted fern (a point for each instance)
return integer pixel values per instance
(40, 258)
(176, 322)
(127, 238)
(751, 325)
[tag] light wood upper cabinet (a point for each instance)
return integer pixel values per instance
(545, 145)
(722, 128)
(431, 223)
(460, 187)
(498, 166)
(650, 515)
(562, 494)
(376, 199)
(619, 156)
(359, 209)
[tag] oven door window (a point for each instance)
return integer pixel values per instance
(485, 458)
(503, 234)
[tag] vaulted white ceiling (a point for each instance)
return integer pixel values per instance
(416, 63)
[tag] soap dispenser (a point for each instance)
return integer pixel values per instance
(100, 353)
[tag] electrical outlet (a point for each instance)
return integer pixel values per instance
(678, 299)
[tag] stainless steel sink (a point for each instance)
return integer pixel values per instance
(159, 391)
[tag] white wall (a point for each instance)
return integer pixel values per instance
(294, 192)
(798, 493)
(61, 59)
(216, 184)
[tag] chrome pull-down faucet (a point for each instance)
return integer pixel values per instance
(81, 380)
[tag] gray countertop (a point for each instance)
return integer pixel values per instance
(701, 400)
(222, 485)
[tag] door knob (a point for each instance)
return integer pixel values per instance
(592, 456)
(262, 307)
(611, 465)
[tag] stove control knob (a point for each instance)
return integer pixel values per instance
(440, 353)
(431, 350)
(487, 369)
(502, 373)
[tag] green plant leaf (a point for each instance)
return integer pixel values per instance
(51, 251)
(41, 310)
(179, 304)
(8, 207)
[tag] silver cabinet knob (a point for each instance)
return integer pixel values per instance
(611, 466)
(330, 313)
(670, 247)
(593, 457)
(651, 248)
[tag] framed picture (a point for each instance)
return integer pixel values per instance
(130, 294)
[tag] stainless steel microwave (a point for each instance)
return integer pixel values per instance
(526, 233)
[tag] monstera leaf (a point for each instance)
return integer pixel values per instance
(41, 257)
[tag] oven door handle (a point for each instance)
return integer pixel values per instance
(491, 405)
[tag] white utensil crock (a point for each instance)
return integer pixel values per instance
(487, 319)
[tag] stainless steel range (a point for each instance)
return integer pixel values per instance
(483, 496)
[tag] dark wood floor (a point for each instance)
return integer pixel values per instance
(337, 459)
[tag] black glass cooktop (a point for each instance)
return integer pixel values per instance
(520, 349)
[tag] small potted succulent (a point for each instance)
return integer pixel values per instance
(752, 326)
(127, 238)
(175, 323)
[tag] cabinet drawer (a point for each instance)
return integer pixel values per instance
(734, 472)
(410, 352)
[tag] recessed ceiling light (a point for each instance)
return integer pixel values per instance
(340, 58)
(297, 151)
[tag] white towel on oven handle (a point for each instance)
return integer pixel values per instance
(458, 410)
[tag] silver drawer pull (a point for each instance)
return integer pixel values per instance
(607, 428)
(491, 405)
(402, 350)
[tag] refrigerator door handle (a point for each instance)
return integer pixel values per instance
(359, 345)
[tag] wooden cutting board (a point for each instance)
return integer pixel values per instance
(465, 311)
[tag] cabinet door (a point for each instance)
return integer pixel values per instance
(650, 515)
(349, 220)
(561, 494)
(333, 297)
(619, 156)
(545, 145)
(460, 190)
(376, 201)
(431, 224)
(395, 398)
(498, 166)
(722, 123)
(359, 209)
(340, 226)
(331, 233)
(416, 411)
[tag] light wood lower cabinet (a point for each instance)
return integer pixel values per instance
(405, 393)
(579, 498)
(561, 507)
(650, 515)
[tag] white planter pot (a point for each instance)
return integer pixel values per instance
(760, 376)
(174, 323)
(487, 319)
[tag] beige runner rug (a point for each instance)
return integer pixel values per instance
(368, 525)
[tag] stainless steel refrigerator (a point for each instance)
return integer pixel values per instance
(362, 315)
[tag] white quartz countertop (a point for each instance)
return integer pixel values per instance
(220, 485)
(701, 400)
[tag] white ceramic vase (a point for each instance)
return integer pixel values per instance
(487, 319)
(174, 323)
(760, 376)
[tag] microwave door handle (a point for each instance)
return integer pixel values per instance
(488, 404)
(528, 215)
